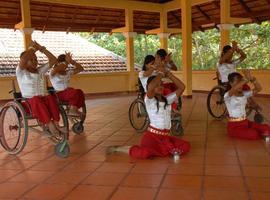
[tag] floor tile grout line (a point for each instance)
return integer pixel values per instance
(76, 186)
(121, 181)
(161, 183)
(204, 159)
(64, 165)
(242, 172)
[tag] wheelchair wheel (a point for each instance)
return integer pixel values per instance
(63, 126)
(13, 127)
(78, 128)
(138, 116)
(176, 126)
(215, 102)
(258, 118)
(62, 149)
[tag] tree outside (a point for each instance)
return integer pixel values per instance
(253, 38)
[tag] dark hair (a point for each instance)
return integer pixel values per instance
(61, 58)
(162, 53)
(147, 60)
(226, 49)
(233, 76)
(21, 55)
(150, 79)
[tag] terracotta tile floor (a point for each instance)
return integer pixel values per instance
(218, 167)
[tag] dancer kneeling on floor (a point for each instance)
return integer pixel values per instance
(60, 76)
(156, 140)
(31, 81)
(236, 100)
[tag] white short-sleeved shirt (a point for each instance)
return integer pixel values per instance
(144, 79)
(60, 82)
(236, 106)
(32, 84)
(227, 68)
(160, 119)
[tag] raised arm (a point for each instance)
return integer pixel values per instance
(52, 59)
(78, 67)
(149, 72)
(242, 54)
(170, 62)
(179, 84)
(25, 57)
(257, 86)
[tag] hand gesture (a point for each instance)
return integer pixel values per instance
(247, 74)
(234, 45)
(69, 57)
(168, 57)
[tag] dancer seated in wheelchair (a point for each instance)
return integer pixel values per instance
(226, 64)
(31, 81)
(236, 100)
(148, 69)
(156, 140)
(60, 75)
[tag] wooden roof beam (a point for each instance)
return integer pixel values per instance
(119, 4)
(159, 30)
(176, 4)
(248, 11)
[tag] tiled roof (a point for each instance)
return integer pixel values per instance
(92, 57)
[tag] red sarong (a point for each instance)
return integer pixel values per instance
(153, 145)
(247, 130)
(74, 97)
(44, 108)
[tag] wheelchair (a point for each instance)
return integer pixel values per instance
(216, 104)
(139, 119)
(16, 120)
(77, 122)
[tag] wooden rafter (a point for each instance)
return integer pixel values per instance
(248, 11)
(47, 19)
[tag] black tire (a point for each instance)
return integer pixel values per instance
(259, 118)
(64, 127)
(138, 115)
(176, 126)
(215, 102)
(13, 127)
(62, 149)
(78, 128)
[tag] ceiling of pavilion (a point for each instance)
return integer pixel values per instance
(60, 17)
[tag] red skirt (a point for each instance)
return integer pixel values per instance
(74, 97)
(43, 108)
(247, 130)
(154, 145)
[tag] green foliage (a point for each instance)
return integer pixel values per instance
(253, 38)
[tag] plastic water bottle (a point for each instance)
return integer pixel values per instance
(176, 157)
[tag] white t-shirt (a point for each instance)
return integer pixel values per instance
(60, 82)
(145, 78)
(227, 68)
(32, 84)
(236, 106)
(160, 119)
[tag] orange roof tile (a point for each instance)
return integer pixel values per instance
(93, 58)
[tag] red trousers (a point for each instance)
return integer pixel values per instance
(44, 108)
(158, 145)
(247, 130)
(74, 97)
